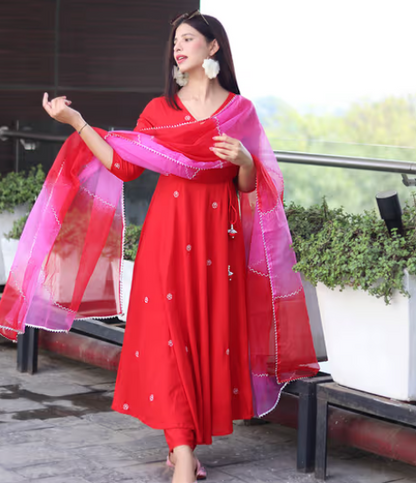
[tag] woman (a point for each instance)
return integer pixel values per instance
(195, 304)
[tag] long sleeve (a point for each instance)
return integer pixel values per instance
(123, 169)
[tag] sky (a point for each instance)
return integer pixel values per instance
(325, 53)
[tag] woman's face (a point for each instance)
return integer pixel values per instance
(190, 48)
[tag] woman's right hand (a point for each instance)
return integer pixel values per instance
(59, 110)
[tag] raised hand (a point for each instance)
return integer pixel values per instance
(232, 150)
(59, 109)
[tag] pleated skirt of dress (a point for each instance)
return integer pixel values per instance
(185, 359)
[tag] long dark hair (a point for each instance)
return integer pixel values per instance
(214, 30)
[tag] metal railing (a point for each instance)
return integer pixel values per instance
(6, 133)
(334, 161)
(371, 164)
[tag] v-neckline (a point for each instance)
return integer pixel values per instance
(182, 105)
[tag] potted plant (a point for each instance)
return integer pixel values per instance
(302, 223)
(366, 289)
(18, 192)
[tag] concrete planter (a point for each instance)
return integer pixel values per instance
(371, 346)
(126, 286)
(6, 224)
(8, 249)
(315, 320)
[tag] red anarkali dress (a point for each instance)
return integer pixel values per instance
(185, 358)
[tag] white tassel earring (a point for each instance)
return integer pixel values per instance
(211, 67)
(180, 77)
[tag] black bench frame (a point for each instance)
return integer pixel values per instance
(335, 395)
(27, 344)
(306, 390)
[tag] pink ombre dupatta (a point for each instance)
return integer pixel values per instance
(68, 263)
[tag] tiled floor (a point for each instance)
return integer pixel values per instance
(57, 427)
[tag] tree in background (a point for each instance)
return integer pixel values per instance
(382, 129)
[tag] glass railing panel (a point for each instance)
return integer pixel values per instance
(353, 189)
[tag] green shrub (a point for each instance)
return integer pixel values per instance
(17, 230)
(341, 249)
(131, 240)
(19, 188)
(305, 222)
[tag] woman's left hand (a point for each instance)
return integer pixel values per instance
(232, 150)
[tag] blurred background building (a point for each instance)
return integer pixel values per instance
(106, 56)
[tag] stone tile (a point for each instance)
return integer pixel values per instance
(91, 377)
(7, 418)
(112, 476)
(149, 473)
(55, 390)
(117, 462)
(81, 435)
(251, 472)
(7, 476)
(64, 421)
(17, 405)
(367, 469)
(115, 421)
(9, 379)
(28, 454)
(65, 466)
(409, 472)
(149, 442)
(65, 404)
(231, 450)
(106, 453)
(104, 447)
(143, 432)
(4, 391)
(23, 437)
(218, 475)
(105, 386)
(20, 426)
(59, 479)
(159, 473)
(143, 456)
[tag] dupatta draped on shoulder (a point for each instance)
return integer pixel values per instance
(69, 259)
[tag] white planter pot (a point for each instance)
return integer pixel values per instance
(6, 224)
(371, 346)
(315, 320)
(8, 249)
(126, 286)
